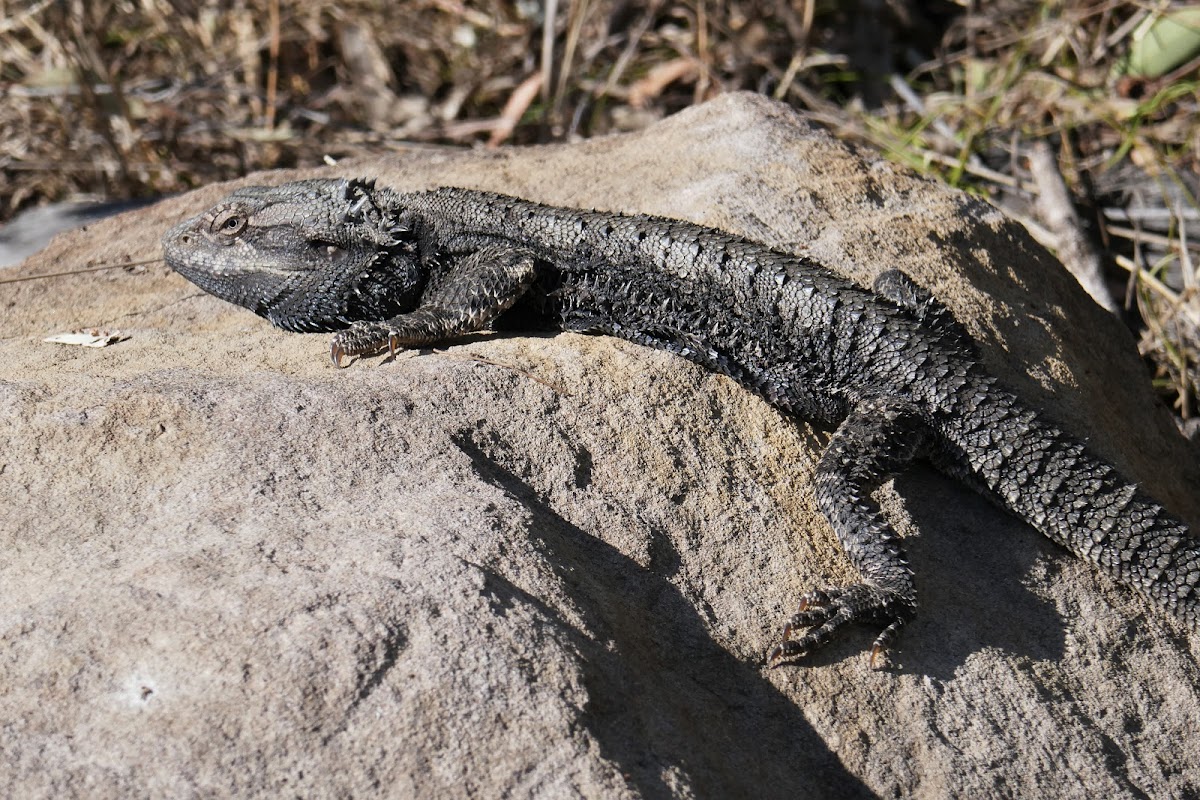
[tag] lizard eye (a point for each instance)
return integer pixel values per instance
(229, 224)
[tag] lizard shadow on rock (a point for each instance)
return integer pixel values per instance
(971, 567)
(663, 696)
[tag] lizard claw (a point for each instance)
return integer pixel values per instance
(824, 611)
(336, 354)
(360, 338)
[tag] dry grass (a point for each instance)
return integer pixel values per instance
(128, 98)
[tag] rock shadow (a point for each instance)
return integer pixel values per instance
(971, 564)
(674, 711)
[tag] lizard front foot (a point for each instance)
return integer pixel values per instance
(363, 338)
(824, 611)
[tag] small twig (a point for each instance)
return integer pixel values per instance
(1120, 33)
(917, 106)
(1142, 276)
(579, 12)
(618, 69)
(789, 75)
(660, 77)
(549, 23)
(1058, 212)
(1159, 215)
(704, 56)
(515, 108)
(980, 171)
(79, 271)
(272, 62)
(1150, 238)
(1185, 258)
(18, 18)
(476, 18)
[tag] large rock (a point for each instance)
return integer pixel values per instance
(550, 565)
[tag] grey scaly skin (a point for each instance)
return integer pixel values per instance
(891, 370)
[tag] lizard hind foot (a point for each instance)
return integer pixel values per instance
(825, 611)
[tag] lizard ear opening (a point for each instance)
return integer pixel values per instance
(327, 249)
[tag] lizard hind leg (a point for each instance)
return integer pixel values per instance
(879, 437)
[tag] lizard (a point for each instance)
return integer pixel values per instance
(890, 370)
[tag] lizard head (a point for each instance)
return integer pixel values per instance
(314, 255)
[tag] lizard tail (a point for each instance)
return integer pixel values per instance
(1050, 480)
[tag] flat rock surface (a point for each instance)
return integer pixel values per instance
(550, 566)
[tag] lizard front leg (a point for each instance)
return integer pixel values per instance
(880, 436)
(902, 290)
(474, 291)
